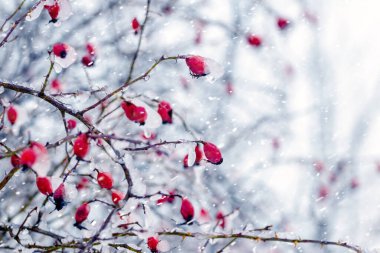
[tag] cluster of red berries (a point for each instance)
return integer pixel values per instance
(89, 59)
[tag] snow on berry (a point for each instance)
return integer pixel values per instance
(58, 10)
(63, 56)
(200, 66)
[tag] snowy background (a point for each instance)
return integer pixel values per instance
(307, 97)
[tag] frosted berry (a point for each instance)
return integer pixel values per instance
(105, 180)
(254, 40)
(44, 185)
(134, 113)
(15, 161)
(81, 214)
(152, 243)
(198, 154)
(186, 161)
(71, 124)
(87, 61)
(221, 219)
(323, 192)
(53, 11)
(56, 85)
(197, 65)
(28, 157)
(187, 210)
(166, 112)
(59, 197)
(81, 146)
(282, 23)
(212, 153)
(90, 49)
(135, 25)
(12, 115)
(117, 196)
(60, 50)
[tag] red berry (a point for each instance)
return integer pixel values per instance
(28, 157)
(186, 161)
(323, 191)
(15, 161)
(187, 210)
(83, 183)
(166, 112)
(134, 113)
(12, 115)
(117, 196)
(140, 115)
(59, 197)
(128, 109)
(318, 166)
(60, 192)
(212, 153)
(56, 85)
(105, 180)
(170, 198)
(204, 214)
(71, 124)
(135, 25)
(275, 143)
(354, 183)
(90, 49)
(44, 185)
(82, 213)
(221, 219)
(53, 11)
(198, 155)
(87, 61)
(60, 50)
(152, 244)
(282, 23)
(197, 65)
(254, 40)
(81, 146)
(229, 88)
